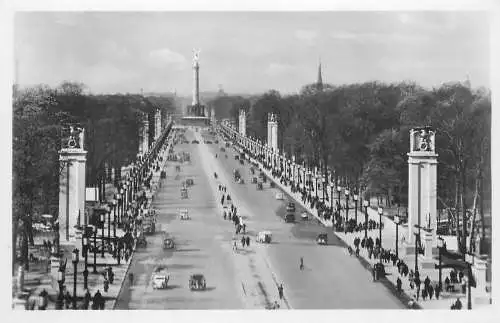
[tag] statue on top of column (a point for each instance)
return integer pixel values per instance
(73, 138)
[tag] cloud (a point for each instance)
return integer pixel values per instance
(379, 37)
(168, 57)
(276, 69)
(306, 36)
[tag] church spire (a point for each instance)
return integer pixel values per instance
(319, 82)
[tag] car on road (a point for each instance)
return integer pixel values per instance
(185, 142)
(222, 149)
(160, 277)
(264, 237)
(168, 243)
(304, 215)
(189, 182)
(184, 214)
(197, 282)
(216, 142)
(208, 142)
(290, 207)
(279, 195)
(195, 142)
(322, 239)
(289, 218)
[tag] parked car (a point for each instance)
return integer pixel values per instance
(264, 237)
(289, 218)
(290, 207)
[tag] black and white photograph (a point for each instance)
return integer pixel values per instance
(268, 160)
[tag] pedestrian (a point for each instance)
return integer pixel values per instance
(437, 291)
(245, 229)
(427, 282)
(67, 299)
(280, 291)
(424, 294)
(458, 304)
(243, 241)
(106, 285)
(398, 284)
(373, 272)
(247, 240)
(86, 299)
(430, 291)
(43, 300)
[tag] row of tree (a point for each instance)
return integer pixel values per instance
(40, 114)
(361, 132)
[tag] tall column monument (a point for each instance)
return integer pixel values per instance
(242, 127)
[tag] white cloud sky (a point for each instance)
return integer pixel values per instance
(249, 52)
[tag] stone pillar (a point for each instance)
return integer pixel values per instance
(145, 135)
(272, 132)
(157, 123)
(72, 158)
(422, 185)
(243, 122)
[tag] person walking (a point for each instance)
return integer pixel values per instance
(280, 291)
(399, 284)
(248, 241)
(301, 265)
(437, 291)
(86, 299)
(243, 242)
(430, 291)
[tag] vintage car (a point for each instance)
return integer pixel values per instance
(195, 142)
(184, 214)
(236, 157)
(189, 182)
(264, 237)
(304, 216)
(168, 243)
(216, 142)
(197, 282)
(222, 149)
(279, 196)
(177, 168)
(259, 186)
(184, 193)
(242, 162)
(289, 218)
(228, 145)
(160, 277)
(141, 241)
(290, 207)
(254, 180)
(148, 225)
(322, 239)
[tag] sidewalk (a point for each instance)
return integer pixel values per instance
(388, 242)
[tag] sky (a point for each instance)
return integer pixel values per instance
(249, 52)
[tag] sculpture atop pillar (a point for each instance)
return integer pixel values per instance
(272, 132)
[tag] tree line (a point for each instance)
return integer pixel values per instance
(41, 113)
(360, 132)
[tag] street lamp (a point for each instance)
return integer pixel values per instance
(103, 219)
(109, 208)
(60, 280)
(355, 197)
(114, 218)
(85, 253)
(417, 239)
(397, 221)
(331, 198)
(380, 212)
(95, 248)
(366, 204)
(346, 209)
(469, 259)
(120, 216)
(75, 264)
(440, 244)
(323, 187)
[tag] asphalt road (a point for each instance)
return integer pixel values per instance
(331, 278)
(201, 247)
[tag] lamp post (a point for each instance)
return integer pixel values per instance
(469, 259)
(366, 204)
(331, 198)
(323, 187)
(114, 218)
(60, 280)
(440, 243)
(316, 185)
(103, 219)
(346, 209)
(380, 212)
(120, 216)
(85, 255)
(397, 221)
(417, 239)
(95, 249)
(355, 197)
(339, 189)
(75, 264)
(109, 222)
